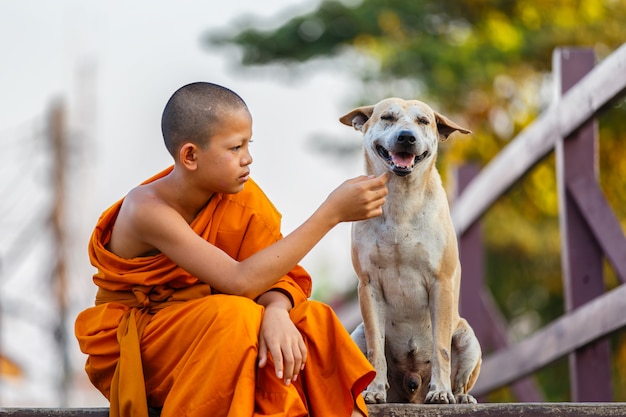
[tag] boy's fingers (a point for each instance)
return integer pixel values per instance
(305, 354)
(290, 361)
(382, 177)
(277, 356)
(379, 182)
(262, 354)
(298, 364)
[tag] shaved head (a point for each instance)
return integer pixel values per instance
(192, 112)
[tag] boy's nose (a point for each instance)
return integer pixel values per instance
(248, 159)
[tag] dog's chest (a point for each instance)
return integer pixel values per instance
(413, 244)
(400, 257)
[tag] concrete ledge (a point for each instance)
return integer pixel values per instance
(499, 410)
(398, 410)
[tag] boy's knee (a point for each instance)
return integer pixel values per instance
(318, 306)
(233, 313)
(312, 310)
(233, 305)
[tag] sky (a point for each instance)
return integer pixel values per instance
(114, 64)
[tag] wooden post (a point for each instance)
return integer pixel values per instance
(476, 303)
(471, 254)
(57, 133)
(582, 256)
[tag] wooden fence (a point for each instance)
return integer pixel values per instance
(590, 232)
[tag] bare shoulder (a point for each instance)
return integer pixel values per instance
(141, 198)
(142, 214)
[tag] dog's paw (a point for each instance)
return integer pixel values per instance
(465, 399)
(440, 397)
(375, 397)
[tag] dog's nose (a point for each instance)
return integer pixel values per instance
(406, 137)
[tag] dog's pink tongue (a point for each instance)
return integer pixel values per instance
(402, 159)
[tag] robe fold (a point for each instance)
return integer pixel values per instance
(159, 337)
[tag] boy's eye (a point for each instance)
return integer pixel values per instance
(238, 147)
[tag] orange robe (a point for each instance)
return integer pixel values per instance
(159, 337)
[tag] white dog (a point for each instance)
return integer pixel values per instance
(408, 264)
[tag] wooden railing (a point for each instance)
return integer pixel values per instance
(589, 232)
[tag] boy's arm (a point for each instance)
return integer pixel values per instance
(261, 230)
(158, 225)
(296, 285)
(278, 336)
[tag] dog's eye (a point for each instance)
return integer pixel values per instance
(423, 121)
(387, 117)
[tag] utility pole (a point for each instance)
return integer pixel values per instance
(57, 133)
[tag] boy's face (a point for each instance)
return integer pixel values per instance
(224, 163)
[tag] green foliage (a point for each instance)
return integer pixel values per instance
(449, 45)
(486, 64)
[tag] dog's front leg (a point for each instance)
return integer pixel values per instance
(373, 311)
(441, 313)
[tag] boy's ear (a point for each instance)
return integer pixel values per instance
(188, 155)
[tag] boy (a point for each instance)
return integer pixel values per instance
(201, 308)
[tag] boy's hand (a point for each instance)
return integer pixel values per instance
(359, 198)
(281, 339)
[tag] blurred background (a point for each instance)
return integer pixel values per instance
(84, 83)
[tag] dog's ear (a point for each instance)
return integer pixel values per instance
(357, 117)
(446, 127)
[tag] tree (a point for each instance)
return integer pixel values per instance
(487, 64)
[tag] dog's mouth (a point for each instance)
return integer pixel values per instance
(401, 163)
